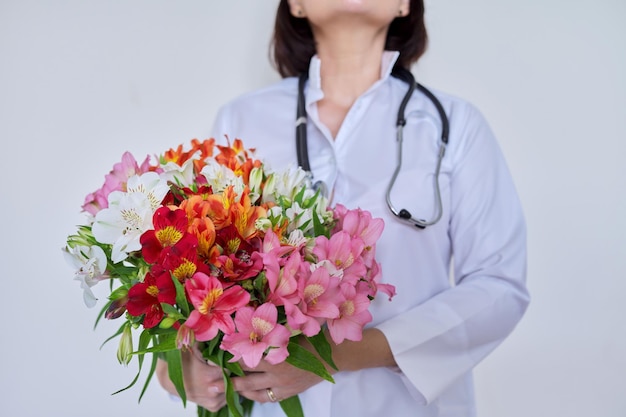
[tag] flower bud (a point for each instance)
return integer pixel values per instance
(263, 224)
(116, 309)
(167, 322)
(269, 188)
(256, 176)
(125, 349)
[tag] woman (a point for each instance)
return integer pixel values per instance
(416, 357)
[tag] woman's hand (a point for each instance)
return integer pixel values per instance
(199, 378)
(284, 380)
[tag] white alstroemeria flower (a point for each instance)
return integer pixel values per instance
(332, 269)
(151, 185)
(219, 177)
(298, 217)
(91, 264)
(256, 177)
(180, 175)
(296, 238)
(290, 181)
(275, 212)
(129, 214)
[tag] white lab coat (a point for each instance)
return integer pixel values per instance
(438, 327)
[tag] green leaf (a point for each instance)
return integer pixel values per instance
(129, 385)
(119, 292)
(161, 343)
(203, 412)
(210, 349)
(322, 347)
(181, 298)
(232, 397)
(168, 345)
(247, 406)
(303, 359)
(260, 282)
(101, 314)
(234, 367)
(149, 377)
(292, 407)
(174, 360)
(144, 340)
(171, 311)
(318, 226)
(300, 196)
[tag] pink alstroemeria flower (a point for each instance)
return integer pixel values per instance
(353, 316)
(359, 223)
(321, 298)
(344, 253)
(339, 213)
(257, 331)
(272, 247)
(371, 285)
(214, 306)
(115, 181)
(283, 285)
(282, 282)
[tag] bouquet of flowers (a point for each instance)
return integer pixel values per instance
(210, 249)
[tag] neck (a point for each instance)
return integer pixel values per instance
(350, 63)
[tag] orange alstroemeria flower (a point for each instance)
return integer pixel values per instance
(204, 230)
(218, 207)
(238, 159)
(244, 216)
(180, 157)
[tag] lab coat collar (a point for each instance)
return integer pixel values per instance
(315, 92)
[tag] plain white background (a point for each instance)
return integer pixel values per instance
(83, 81)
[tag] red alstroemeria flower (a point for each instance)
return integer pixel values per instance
(178, 195)
(232, 242)
(214, 306)
(170, 226)
(146, 298)
(241, 266)
(182, 259)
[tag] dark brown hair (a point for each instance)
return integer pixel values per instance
(293, 44)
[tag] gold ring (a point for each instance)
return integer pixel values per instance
(271, 395)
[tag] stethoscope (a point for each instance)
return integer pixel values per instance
(402, 214)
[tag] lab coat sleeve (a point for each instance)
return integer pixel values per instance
(454, 330)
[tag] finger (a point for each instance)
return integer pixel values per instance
(252, 382)
(197, 354)
(261, 396)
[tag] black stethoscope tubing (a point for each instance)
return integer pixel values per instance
(406, 76)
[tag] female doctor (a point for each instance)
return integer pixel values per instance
(460, 281)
